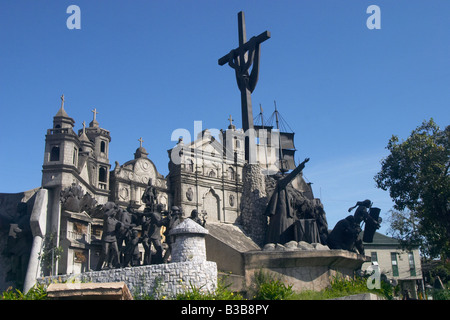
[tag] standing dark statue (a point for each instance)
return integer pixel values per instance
(149, 197)
(110, 251)
(346, 234)
(280, 210)
(151, 228)
(171, 221)
(131, 251)
(124, 232)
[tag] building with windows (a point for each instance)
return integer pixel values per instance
(400, 267)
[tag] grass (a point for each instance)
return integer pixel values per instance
(222, 292)
(340, 287)
(265, 286)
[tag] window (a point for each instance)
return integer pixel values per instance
(102, 174)
(231, 174)
(412, 265)
(54, 153)
(373, 256)
(75, 156)
(103, 146)
(394, 264)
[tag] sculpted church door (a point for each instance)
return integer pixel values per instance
(211, 204)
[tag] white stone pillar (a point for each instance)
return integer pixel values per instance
(38, 223)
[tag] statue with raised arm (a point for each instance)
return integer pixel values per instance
(280, 210)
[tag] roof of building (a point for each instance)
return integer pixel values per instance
(381, 240)
(62, 113)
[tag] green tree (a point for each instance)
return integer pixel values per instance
(416, 175)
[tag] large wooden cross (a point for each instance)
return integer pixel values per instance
(241, 59)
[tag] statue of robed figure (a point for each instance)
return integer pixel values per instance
(279, 209)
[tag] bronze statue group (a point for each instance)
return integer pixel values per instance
(120, 238)
(292, 217)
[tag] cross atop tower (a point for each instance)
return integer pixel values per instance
(140, 142)
(231, 126)
(95, 114)
(231, 120)
(62, 101)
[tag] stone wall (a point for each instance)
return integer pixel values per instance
(160, 281)
(188, 268)
(253, 203)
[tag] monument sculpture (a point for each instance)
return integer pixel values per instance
(18, 244)
(110, 250)
(346, 234)
(74, 199)
(280, 209)
(276, 209)
(151, 234)
(241, 59)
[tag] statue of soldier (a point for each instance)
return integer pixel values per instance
(110, 251)
(149, 197)
(170, 222)
(151, 234)
(124, 233)
(131, 252)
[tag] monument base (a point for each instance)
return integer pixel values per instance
(303, 269)
(159, 281)
(304, 266)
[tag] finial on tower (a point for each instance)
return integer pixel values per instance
(94, 122)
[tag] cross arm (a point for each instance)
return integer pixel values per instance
(245, 47)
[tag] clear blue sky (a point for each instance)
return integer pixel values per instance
(150, 67)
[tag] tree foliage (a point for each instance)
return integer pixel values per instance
(417, 178)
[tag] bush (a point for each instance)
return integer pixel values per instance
(222, 292)
(441, 294)
(38, 292)
(269, 287)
